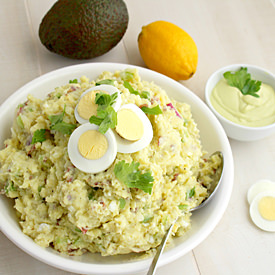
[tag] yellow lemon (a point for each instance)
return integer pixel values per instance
(168, 49)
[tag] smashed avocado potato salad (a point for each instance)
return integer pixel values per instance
(104, 166)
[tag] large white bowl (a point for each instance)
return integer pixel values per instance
(203, 221)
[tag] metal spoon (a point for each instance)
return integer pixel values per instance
(212, 190)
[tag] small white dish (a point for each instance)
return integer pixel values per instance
(234, 130)
(204, 221)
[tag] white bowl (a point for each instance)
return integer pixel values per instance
(203, 221)
(234, 130)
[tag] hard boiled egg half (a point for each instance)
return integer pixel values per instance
(261, 197)
(87, 107)
(134, 130)
(91, 151)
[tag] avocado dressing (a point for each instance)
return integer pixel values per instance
(242, 109)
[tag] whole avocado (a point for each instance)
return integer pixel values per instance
(83, 29)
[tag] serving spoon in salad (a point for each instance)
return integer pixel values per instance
(212, 190)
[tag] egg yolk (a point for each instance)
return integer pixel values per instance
(86, 106)
(266, 208)
(92, 144)
(129, 125)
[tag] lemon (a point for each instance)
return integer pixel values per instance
(168, 49)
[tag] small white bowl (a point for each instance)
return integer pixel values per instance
(234, 130)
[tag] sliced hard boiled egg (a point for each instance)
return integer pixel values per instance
(262, 210)
(89, 150)
(134, 130)
(258, 187)
(129, 126)
(87, 107)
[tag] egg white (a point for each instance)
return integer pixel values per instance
(110, 89)
(126, 146)
(88, 165)
(255, 215)
(258, 187)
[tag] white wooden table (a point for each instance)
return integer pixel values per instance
(225, 31)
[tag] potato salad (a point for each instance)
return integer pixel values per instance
(104, 165)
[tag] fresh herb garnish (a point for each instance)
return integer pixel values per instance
(58, 124)
(20, 106)
(19, 122)
(91, 194)
(131, 176)
(122, 203)
(105, 119)
(183, 206)
(39, 189)
(106, 115)
(126, 75)
(39, 136)
(105, 81)
(78, 230)
(73, 81)
(104, 100)
(152, 111)
(64, 127)
(191, 193)
(58, 95)
(147, 219)
(242, 80)
(127, 85)
(55, 119)
(9, 187)
(145, 94)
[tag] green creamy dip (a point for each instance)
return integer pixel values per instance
(244, 109)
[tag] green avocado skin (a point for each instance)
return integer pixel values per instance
(83, 29)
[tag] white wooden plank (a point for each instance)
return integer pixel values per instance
(17, 62)
(184, 265)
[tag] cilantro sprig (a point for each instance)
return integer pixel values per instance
(122, 203)
(105, 119)
(58, 124)
(106, 115)
(104, 100)
(152, 111)
(73, 81)
(106, 82)
(143, 94)
(131, 176)
(39, 136)
(241, 79)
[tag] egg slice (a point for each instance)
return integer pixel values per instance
(86, 106)
(262, 210)
(134, 130)
(89, 150)
(258, 187)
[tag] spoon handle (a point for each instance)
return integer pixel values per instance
(153, 266)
